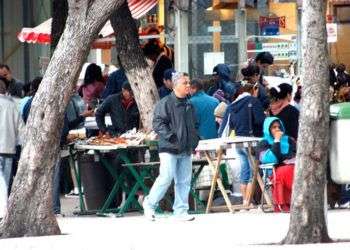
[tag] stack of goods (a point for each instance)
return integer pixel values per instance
(76, 135)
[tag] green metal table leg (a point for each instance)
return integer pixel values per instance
(193, 191)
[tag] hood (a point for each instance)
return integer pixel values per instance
(241, 101)
(223, 71)
(267, 124)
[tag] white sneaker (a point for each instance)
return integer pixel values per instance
(148, 212)
(345, 205)
(184, 217)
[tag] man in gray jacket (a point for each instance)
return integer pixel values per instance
(174, 122)
(9, 124)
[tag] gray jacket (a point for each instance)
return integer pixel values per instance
(9, 125)
(174, 122)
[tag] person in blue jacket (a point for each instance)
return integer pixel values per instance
(204, 106)
(245, 116)
(278, 149)
(222, 81)
(114, 83)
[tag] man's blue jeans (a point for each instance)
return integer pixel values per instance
(179, 168)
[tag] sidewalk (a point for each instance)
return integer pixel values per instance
(242, 230)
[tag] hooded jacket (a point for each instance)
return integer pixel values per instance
(270, 151)
(174, 122)
(245, 116)
(229, 88)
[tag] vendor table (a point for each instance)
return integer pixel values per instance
(139, 171)
(217, 147)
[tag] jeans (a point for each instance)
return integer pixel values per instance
(179, 168)
(246, 172)
(5, 175)
(56, 188)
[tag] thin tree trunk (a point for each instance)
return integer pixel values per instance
(30, 210)
(59, 17)
(132, 59)
(307, 219)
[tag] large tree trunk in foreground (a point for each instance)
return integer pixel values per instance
(307, 219)
(137, 71)
(30, 210)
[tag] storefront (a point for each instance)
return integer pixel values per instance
(339, 16)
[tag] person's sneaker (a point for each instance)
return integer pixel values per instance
(184, 217)
(148, 212)
(345, 205)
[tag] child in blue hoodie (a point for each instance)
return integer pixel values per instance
(280, 150)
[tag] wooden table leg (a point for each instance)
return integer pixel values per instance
(256, 177)
(217, 179)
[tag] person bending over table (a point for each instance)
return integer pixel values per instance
(123, 111)
(278, 149)
(174, 122)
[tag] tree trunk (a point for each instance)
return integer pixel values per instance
(30, 210)
(132, 60)
(307, 219)
(59, 17)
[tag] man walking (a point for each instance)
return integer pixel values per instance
(174, 122)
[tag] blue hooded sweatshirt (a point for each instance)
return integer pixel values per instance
(270, 151)
(225, 84)
(245, 116)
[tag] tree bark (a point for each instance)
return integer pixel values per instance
(59, 17)
(30, 210)
(308, 218)
(132, 60)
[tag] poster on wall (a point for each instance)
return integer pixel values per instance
(270, 26)
(211, 59)
(332, 32)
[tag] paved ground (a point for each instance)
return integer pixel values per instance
(242, 230)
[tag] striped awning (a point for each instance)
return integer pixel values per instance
(42, 33)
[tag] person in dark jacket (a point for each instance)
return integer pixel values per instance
(281, 108)
(161, 62)
(174, 122)
(123, 111)
(279, 149)
(14, 86)
(168, 86)
(245, 116)
(114, 83)
(222, 81)
(263, 60)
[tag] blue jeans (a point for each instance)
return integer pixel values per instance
(5, 169)
(56, 188)
(179, 168)
(246, 172)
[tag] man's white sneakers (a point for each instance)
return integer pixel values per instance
(148, 212)
(184, 217)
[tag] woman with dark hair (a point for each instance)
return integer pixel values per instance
(244, 116)
(281, 108)
(93, 85)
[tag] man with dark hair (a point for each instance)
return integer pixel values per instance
(123, 111)
(167, 88)
(263, 60)
(204, 106)
(15, 87)
(161, 62)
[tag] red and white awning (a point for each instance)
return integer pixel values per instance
(42, 33)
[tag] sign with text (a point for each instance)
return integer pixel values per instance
(271, 25)
(332, 32)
